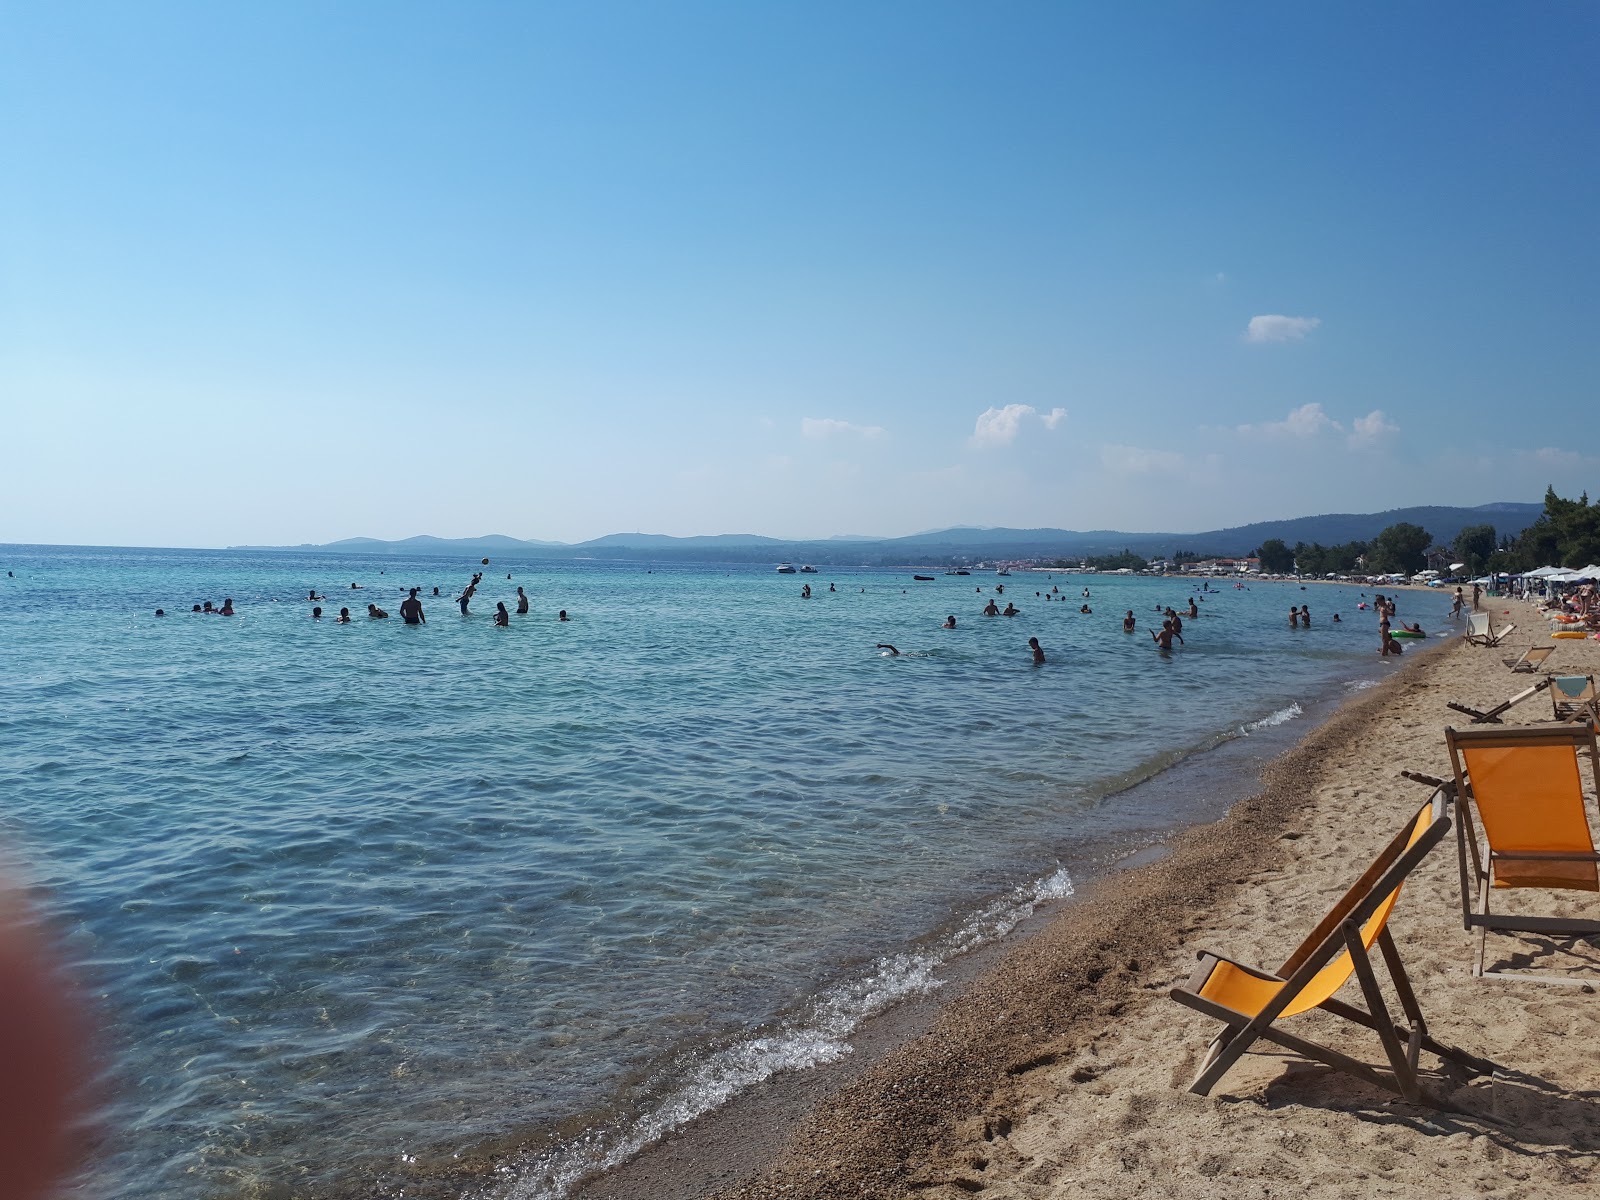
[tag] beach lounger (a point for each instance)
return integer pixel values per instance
(1492, 715)
(1526, 789)
(1532, 659)
(1481, 630)
(1251, 1002)
(1573, 697)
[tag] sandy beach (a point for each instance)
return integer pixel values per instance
(1063, 1069)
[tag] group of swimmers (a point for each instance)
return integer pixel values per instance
(410, 608)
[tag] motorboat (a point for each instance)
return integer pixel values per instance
(961, 572)
(924, 578)
(785, 569)
(808, 570)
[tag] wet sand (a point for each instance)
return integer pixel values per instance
(1059, 1067)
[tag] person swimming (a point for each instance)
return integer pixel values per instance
(949, 622)
(562, 615)
(160, 612)
(1128, 623)
(1038, 651)
(1010, 610)
(522, 601)
(316, 613)
(312, 595)
(227, 607)
(376, 613)
(893, 653)
(1084, 608)
(991, 609)
(1336, 619)
(502, 618)
(355, 587)
(435, 591)
(344, 617)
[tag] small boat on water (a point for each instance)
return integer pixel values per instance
(958, 572)
(924, 578)
(808, 570)
(785, 569)
(1002, 571)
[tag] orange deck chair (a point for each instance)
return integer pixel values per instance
(1527, 791)
(1250, 1002)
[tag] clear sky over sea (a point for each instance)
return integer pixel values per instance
(295, 272)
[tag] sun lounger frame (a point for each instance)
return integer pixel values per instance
(1532, 659)
(1477, 863)
(1487, 635)
(1492, 715)
(1587, 708)
(1338, 932)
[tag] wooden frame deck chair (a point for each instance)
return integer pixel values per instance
(1481, 630)
(1573, 698)
(1532, 659)
(1492, 715)
(1526, 789)
(1251, 1002)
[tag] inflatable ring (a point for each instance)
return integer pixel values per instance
(1405, 633)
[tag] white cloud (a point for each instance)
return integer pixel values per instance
(1000, 426)
(826, 427)
(1552, 456)
(1372, 430)
(1136, 460)
(1279, 328)
(1304, 422)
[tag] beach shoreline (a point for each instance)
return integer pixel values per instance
(957, 1094)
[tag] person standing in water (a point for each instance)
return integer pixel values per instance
(1305, 615)
(522, 601)
(1294, 617)
(411, 609)
(1164, 638)
(343, 617)
(1038, 651)
(1128, 623)
(949, 622)
(502, 618)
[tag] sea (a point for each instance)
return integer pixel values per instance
(356, 904)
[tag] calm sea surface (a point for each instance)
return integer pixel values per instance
(360, 897)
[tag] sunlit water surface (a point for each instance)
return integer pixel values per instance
(357, 895)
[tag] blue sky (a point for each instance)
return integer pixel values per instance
(296, 272)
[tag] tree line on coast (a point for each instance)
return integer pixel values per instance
(1566, 534)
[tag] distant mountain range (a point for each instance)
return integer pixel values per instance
(949, 545)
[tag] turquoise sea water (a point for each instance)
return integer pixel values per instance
(358, 897)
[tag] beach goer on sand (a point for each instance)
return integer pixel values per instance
(893, 653)
(562, 615)
(1010, 610)
(227, 607)
(522, 601)
(344, 617)
(1128, 623)
(376, 614)
(1164, 638)
(502, 618)
(1477, 592)
(1038, 651)
(991, 609)
(411, 609)
(949, 622)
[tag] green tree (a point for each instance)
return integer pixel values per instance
(1276, 557)
(1566, 535)
(1473, 546)
(1402, 547)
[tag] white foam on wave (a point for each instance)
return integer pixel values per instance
(817, 1036)
(1282, 716)
(1360, 685)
